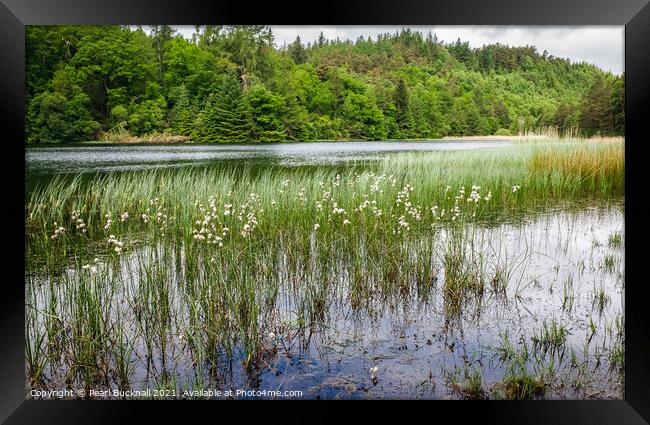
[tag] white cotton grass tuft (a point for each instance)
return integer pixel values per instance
(91, 268)
(58, 231)
(117, 245)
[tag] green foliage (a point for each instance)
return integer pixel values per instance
(298, 52)
(192, 66)
(181, 113)
(227, 117)
(119, 115)
(402, 85)
(365, 120)
(602, 107)
(618, 105)
(402, 115)
(113, 68)
(56, 118)
(147, 117)
(267, 109)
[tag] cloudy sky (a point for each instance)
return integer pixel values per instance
(600, 45)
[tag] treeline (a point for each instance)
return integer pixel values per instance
(231, 84)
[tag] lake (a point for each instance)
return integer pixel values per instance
(434, 270)
(107, 158)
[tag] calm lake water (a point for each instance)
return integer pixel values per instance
(99, 158)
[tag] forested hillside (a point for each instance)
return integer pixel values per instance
(230, 84)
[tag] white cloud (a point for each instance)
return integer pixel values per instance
(600, 45)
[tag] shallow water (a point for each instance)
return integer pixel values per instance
(416, 345)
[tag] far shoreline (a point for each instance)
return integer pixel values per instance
(186, 141)
(255, 142)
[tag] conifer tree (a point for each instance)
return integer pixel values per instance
(298, 52)
(181, 113)
(321, 40)
(596, 114)
(227, 116)
(402, 113)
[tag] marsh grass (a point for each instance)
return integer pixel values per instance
(543, 172)
(473, 386)
(520, 385)
(517, 382)
(615, 240)
(609, 263)
(601, 299)
(195, 268)
(551, 337)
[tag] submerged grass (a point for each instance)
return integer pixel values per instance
(152, 267)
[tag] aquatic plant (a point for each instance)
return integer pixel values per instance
(148, 273)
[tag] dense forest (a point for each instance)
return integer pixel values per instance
(232, 84)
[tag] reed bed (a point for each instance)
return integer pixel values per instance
(193, 268)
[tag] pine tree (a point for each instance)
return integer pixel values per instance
(563, 117)
(618, 105)
(596, 114)
(227, 116)
(182, 114)
(402, 113)
(297, 52)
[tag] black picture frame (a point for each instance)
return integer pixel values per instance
(634, 14)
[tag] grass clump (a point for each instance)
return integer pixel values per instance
(615, 240)
(551, 336)
(609, 263)
(473, 386)
(520, 385)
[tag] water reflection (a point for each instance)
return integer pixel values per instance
(409, 335)
(98, 158)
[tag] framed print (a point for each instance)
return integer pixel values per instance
(421, 202)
